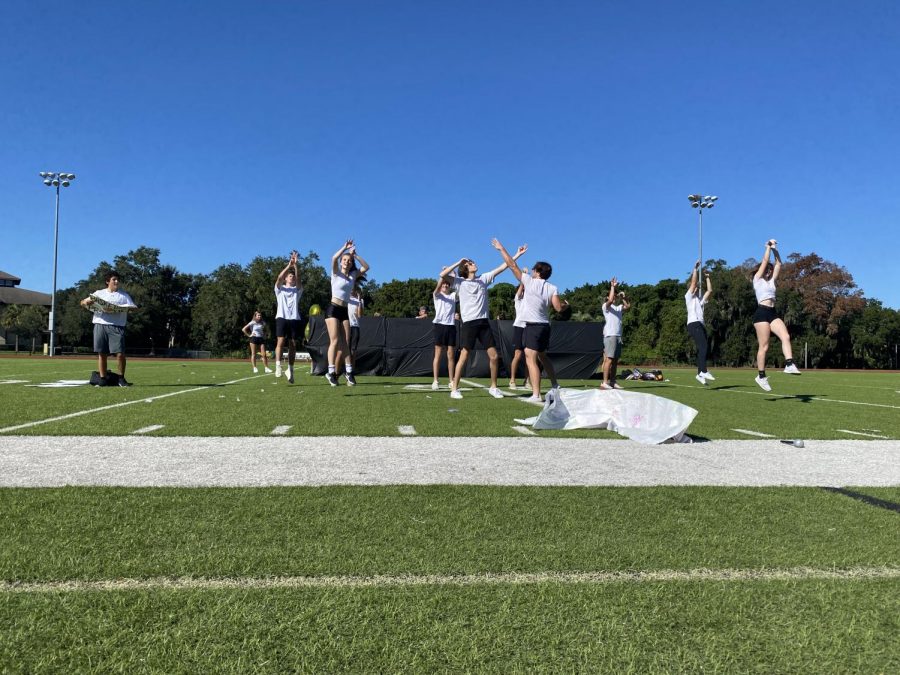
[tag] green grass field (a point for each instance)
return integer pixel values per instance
(441, 578)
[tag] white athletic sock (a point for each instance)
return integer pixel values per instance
(348, 368)
(330, 369)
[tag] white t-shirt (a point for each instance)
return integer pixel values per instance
(537, 300)
(342, 285)
(256, 328)
(116, 298)
(288, 298)
(695, 304)
(473, 296)
(354, 304)
(764, 289)
(519, 302)
(444, 308)
(612, 314)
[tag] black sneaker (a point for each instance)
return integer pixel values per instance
(123, 382)
(351, 381)
(332, 379)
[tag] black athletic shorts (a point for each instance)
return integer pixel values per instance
(444, 335)
(334, 311)
(480, 330)
(517, 343)
(257, 341)
(289, 328)
(537, 336)
(354, 338)
(764, 314)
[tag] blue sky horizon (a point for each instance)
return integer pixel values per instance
(424, 129)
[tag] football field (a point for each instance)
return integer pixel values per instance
(210, 519)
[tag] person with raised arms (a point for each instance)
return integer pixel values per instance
(344, 272)
(612, 334)
(695, 326)
(288, 325)
(539, 296)
(473, 306)
(444, 330)
(765, 320)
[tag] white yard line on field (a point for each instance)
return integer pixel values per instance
(147, 430)
(482, 386)
(525, 431)
(113, 406)
(281, 429)
(486, 579)
(805, 398)
(406, 430)
(860, 433)
(753, 433)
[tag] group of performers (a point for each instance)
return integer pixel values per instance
(460, 283)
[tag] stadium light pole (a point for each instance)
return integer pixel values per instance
(55, 179)
(700, 202)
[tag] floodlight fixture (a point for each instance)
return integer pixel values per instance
(55, 179)
(701, 202)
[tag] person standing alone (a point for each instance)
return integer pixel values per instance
(109, 327)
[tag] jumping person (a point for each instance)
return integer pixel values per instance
(255, 330)
(344, 273)
(695, 326)
(538, 297)
(288, 325)
(109, 327)
(444, 330)
(765, 321)
(473, 306)
(612, 334)
(518, 330)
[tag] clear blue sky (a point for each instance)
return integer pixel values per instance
(221, 131)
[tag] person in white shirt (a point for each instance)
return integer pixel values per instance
(109, 327)
(472, 292)
(255, 330)
(288, 325)
(355, 306)
(612, 334)
(765, 320)
(518, 331)
(344, 273)
(539, 296)
(443, 330)
(696, 328)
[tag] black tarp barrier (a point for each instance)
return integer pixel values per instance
(405, 347)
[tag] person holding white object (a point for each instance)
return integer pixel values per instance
(695, 326)
(765, 320)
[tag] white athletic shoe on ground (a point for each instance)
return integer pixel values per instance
(708, 376)
(268, 370)
(496, 393)
(456, 393)
(763, 383)
(617, 386)
(255, 369)
(277, 370)
(534, 399)
(513, 386)
(699, 377)
(792, 369)
(603, 385)
(435, 385)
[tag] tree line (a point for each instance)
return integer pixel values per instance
(832, 324)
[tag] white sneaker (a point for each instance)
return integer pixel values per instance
(255, 369)
(277, 370)
(534, 399)
(763, 383)
(496, 393)
(435, 385)
(699, 377)
(512, 385)
(792, 369)
(708, 376)
(456, 393)
(617, 386)
(603, 385)
(268, 370)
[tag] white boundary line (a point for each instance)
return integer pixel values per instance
(488, 579)
(281, 429)
(753, 433)
(525, 431)
(147, 430)
(810, 398)
(112, 406)
(406, 430)
(860, 433)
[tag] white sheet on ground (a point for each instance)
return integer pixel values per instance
(644, 418)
